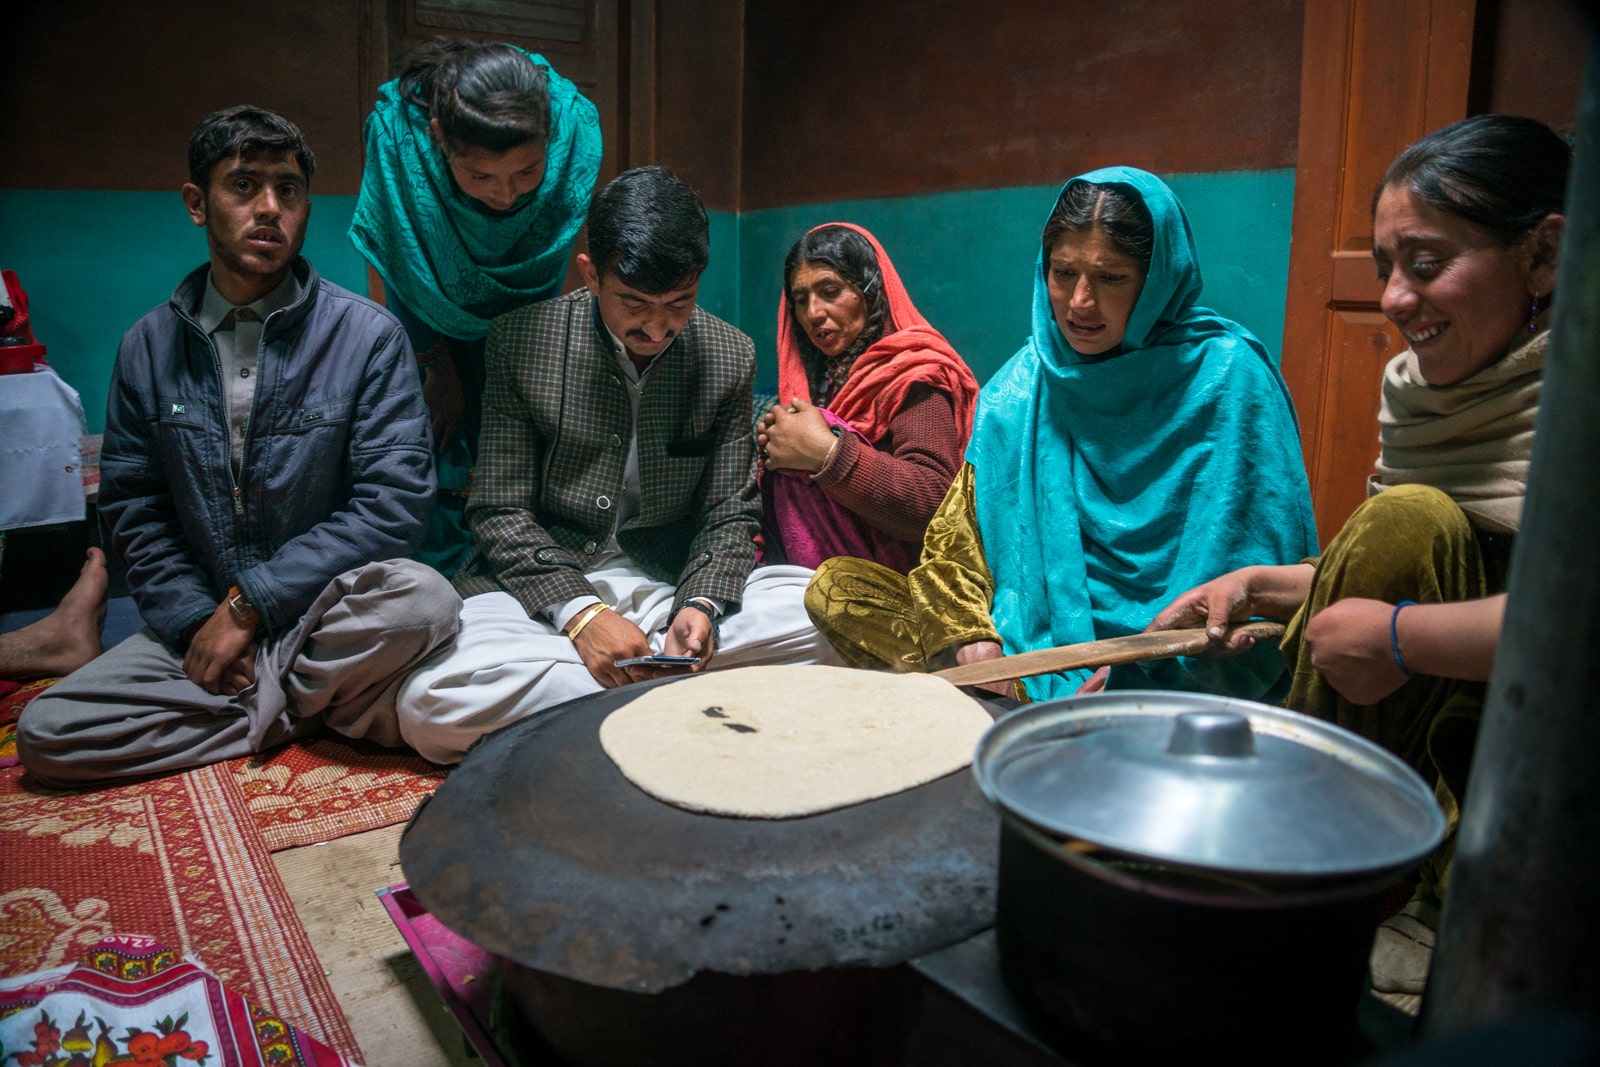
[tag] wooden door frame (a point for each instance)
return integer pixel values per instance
(1340, 161)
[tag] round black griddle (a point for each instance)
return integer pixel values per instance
(538, 849)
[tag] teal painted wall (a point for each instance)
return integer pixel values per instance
(93, 262)
(719, 285)
(967, 258)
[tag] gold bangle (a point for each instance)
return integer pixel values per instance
(583, 620)
(829, 456)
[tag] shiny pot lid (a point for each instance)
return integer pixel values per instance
(1209, 782)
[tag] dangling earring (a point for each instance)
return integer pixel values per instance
(1533, 316)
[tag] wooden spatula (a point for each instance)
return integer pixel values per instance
(1161, 644)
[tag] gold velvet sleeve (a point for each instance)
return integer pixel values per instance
(951, 589)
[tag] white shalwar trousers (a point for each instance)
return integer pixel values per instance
(505, 666)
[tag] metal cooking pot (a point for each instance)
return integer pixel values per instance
(1181, 872)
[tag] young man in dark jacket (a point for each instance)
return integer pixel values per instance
(266, 450)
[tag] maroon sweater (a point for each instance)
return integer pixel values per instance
(898, 485)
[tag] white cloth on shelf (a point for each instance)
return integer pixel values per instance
(41, 462)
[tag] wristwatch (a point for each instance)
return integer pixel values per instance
(700, 604)
(244, 612)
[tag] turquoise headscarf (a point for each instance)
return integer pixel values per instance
(452, 260)
(1107, 486)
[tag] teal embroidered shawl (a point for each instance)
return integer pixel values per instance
(453, 261)
(1107, 486)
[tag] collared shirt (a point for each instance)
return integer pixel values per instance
(236, 334)
(633, 379)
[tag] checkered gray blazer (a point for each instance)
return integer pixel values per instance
(556, 426)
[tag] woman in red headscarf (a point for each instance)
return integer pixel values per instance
(874, 409)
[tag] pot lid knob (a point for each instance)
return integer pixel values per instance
(1211, 733)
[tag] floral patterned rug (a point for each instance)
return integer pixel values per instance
(14, 696)
(305, 793)
(178, 859)
(328, 787)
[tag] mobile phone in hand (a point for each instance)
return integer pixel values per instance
(657, 661)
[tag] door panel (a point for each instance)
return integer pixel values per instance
(1376, 76)
(582, 39)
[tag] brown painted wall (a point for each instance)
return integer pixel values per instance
(847, 100)
(699, 58)
(772, 106)
(105, 93)
(1537, 60)
(102, 94)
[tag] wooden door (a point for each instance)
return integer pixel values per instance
(605, 47)
(1375, 76)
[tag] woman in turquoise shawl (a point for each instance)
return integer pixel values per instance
(1133, 444)
(481, 160)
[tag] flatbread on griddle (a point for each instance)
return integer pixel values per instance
(780, 742)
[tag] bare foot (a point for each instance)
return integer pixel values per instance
(65, 639)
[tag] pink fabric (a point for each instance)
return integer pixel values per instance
(132, 1000)
(811, 527)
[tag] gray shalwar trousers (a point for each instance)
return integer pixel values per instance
(133, 711)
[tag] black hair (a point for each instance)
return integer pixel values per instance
(243, 130)
(1504, 173)
(1085, 206)
(849, 255)
(485, 94)
(649, 229)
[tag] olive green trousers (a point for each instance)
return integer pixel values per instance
(1411, 542)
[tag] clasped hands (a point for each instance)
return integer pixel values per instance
(794, 436)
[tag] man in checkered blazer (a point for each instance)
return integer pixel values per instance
(614, 505)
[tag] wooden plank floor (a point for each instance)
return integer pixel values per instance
(397, 1016)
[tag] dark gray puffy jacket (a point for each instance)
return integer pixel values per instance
(337, 469)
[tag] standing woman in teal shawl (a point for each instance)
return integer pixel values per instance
(1136, 440)
(481, 160)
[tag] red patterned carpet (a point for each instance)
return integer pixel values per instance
(329, 787)
(179, 859)
(302, 794)
(185, 859)
(14, 696)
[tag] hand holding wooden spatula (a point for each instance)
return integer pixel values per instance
(1161, 644)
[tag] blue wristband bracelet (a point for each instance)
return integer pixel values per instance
(1394, 637)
